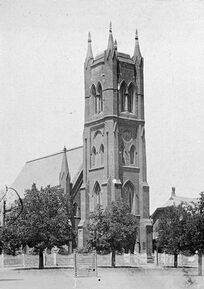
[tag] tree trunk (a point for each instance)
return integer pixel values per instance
(175, 260)
(199, 263)
(41, 263)
(113, 258)
(157, 256)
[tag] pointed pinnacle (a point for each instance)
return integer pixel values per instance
(110, 39)
(137, 53)
(89, 37)
(89, 54)
(110, 27)
(136, 35)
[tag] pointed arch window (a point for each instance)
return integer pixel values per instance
(100, 97)
(132, 155)
(128, 194)
(123, 96)
(131, 94)
(94, 98)
(137, 205)
(101, 153)
(97, 196)
(75, 210)
(93, 156)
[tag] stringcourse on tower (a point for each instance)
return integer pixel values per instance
(114, 155)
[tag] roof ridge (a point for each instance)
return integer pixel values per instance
(51, 155)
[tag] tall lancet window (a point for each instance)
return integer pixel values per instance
(93, 156)
(128, 194)
(101, 152)
(94, 98)
(131, 95)
(97, 196)
(137, 208)
(132, 155)
(123, 97)
(100, 97)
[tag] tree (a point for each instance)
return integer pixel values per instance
(194, 230)
(113, 229)
(10, 240)
(171, 230)
(44, 222)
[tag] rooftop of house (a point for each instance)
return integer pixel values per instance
(174, 200)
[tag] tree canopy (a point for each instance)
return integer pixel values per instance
(181, 229)
(44, 222)
(194, 230)
(113, 229)
(170, 229)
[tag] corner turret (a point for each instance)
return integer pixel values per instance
(89, 54)
(137, 54)
(110, 40)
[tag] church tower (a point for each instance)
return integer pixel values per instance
(114, 158)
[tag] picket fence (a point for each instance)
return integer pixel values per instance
(58, 260)
(168, 260)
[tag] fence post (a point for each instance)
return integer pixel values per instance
(44, 257)
(75, 264)
(157, 258)
(55, 250)
(2, 259)
(164, 258)
(23, 256)
(55, 258)
(95, 260)
(179, 259)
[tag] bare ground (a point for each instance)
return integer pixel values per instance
(149, 277)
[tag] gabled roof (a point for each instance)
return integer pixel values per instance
(177, 200)
(45, 171)
(174, 200)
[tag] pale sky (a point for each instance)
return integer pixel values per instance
(42, 51)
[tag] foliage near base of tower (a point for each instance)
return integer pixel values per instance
(181, 229)
(113, 229)
(171, 230)
(194, 233)
(44, 222)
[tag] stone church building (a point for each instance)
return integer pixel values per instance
(112, 162)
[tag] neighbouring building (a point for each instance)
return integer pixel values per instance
(112, 162)
(173, 200)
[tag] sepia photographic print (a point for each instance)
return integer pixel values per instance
(101, 144)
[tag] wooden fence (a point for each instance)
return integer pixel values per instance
(58, 260)
(168, 260)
